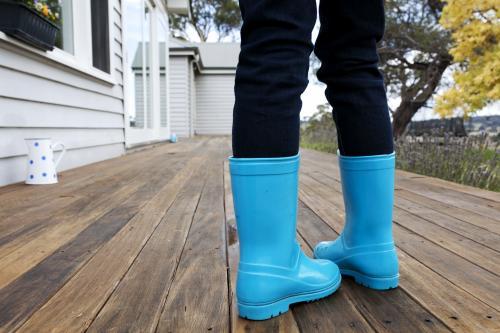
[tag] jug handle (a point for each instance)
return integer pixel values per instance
(56, 163)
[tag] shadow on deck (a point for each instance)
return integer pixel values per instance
(146, 242)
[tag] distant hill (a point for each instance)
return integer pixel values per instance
(488, 124)
(457, 126)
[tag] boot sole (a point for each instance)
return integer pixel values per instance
(384, 283)
(270, 310)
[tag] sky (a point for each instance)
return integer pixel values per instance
(314, 96)
(314, 93)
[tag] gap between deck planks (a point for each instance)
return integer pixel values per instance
(470, 249)
(473, 251)
(54, 231)
(337, 312)
(146, 285)
(75, 180)
(486, 206)
(95, 282)
(23, 222)
(109, 261)
(31, 290)
(459, 309)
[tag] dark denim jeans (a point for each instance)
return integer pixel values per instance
(273, 67)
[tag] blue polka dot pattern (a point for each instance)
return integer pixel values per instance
(36, 144)
(44, 174)
(31, 161)
(31, 176)
(44, 158)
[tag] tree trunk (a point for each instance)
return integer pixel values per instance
(402, 117)
(417, 95)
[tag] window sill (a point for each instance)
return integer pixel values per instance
(60, 57)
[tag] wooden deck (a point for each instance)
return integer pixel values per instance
(146, 242)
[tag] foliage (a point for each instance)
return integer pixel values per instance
(476, 34)
(220, 17)
(49, 9)
(473, 160)
(320, 132)
(413, 55)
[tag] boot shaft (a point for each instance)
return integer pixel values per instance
(265, 194)
(368, 189)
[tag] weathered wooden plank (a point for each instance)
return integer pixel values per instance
(25, 252)
(387, 311)
(20, 228)
(446, 263)
(479, 282)
(472, 203)
(335, 313)
(27, 293)
(448, 302)
(198, 299)
(453, 198)
(432, 181)
(431, 235)
(454, 306)
(473, 251)
(27, 220)
(461, 218)
(136, 304)
(450, 268)
(406, 315)
(20, 202)
(490, 225)
(475, 244)
(78, 175)
(74, 180)
(285, 323)
(93, 284)
(471, 231)
(330, 161)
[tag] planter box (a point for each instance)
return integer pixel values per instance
(23, 23)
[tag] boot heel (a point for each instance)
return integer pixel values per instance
(376, 283)
(273, 272)
(263, 312)
(274, 309)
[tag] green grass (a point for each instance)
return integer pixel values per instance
(320, 146)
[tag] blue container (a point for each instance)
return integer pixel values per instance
(173, 138)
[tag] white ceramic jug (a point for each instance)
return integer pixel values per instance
(41, 164)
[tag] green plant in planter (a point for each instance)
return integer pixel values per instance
(48, 9)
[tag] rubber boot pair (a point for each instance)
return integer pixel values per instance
(273, 271)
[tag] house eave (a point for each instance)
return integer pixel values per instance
(180, 7)
(215, 71)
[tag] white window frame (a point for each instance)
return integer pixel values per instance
(136, 136)
(81, 59)
(165, 130)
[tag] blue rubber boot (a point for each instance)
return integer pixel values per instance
(273, 271)
(365, 250)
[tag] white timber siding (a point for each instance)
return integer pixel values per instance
(214, 104)
(180, 96)
(163, 99)
(40, 97)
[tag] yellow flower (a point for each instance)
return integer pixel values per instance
(45, 10)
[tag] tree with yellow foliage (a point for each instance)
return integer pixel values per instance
(475, 26)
